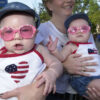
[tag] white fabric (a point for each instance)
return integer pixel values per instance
(48, 29)
(84, 50)
(91, 39)
(36, 66)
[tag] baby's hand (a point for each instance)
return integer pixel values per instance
(49, 78)
(52, 45)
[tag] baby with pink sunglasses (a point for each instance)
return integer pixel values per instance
(21, 61)
(78, 29)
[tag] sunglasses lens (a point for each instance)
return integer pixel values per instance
(85, 28)
(7, 34)
(72, 30)
(27, 32)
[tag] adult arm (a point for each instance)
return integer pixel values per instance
(53, 71)
(28, 92)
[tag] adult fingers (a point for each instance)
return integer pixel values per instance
(75, 55)
(88, 70)
(86, 97)
(50, 88)
(54, 89)
(40, 82)
(47, 84)
(93, 93)
(90, 64)
(83, 74)
(82, 70)
(86, 58)
(38, 77)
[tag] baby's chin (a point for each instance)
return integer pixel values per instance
(17, 52)
(81, 41)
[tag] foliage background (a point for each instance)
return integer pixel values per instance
(91, 7)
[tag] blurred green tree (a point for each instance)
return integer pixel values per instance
(43, 13)
(91, 7)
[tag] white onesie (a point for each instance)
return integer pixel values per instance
(86, 50)
(17, 70)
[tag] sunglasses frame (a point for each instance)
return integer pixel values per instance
(14, 31)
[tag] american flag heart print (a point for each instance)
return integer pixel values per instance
(18, 72)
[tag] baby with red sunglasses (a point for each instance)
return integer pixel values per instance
(78, 29)
(21, 61)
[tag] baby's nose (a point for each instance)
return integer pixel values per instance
(79, 31)
(17, 36)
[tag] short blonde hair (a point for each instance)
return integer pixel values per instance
(44, 3)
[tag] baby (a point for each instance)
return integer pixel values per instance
(21, 61)
(78, 28)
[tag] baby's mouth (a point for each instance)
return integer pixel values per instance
(79, 35)
(18, 46)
